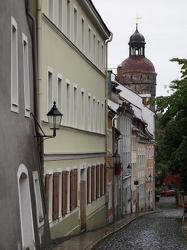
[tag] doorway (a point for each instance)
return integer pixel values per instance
(27, 229)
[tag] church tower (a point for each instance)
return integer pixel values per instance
(137, 73)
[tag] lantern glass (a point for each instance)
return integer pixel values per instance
(116, 157)
(54, 117)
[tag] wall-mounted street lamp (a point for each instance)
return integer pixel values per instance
(117, 163)
(54, 118)
(116, 157)
(149, 178)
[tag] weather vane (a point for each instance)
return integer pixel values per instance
(137, 18)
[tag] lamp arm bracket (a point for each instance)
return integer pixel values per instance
(43, 135)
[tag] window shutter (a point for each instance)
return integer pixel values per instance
(88, 184)
(47, 192)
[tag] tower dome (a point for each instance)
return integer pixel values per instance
(137, 39)
(138, 64)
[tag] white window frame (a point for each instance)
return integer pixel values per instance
(14, 67)
(37, 191)
(49, 88)
(26, 75)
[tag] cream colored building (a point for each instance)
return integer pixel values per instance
(72, 40)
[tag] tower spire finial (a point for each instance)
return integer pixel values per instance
(137, 18)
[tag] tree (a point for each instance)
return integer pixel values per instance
(171, 147)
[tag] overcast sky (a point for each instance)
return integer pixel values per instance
(164, 26)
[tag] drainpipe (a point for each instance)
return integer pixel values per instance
(106, 101)
(35, 81)
(35, 97)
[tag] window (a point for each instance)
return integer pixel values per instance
(93, 196)
(39, 208)
(102, 179)
(75, 105)
(89, 42)
(49, 194)
(82, 34)
(94, 115)
(98, 116)
(59, 170)
(94, 48)
(14, 66)
(68, 192)
(55, 196)
(89, 112)
(98, 54)
(73, 189)
(26, 76)
(97, 181)
(102, 57)
(82, 109)
(59, 14)
(50, 9)
(102, 118)
(88, 184)
(75, 26)
(64, 192)
(50, 89)
(59, 93)
(67, 102)
(68, 18)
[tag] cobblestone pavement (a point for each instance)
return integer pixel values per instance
(158, 231)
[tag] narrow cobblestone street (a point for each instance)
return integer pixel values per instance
(158, 231)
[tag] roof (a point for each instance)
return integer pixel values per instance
(137, 39)
(138, 64)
